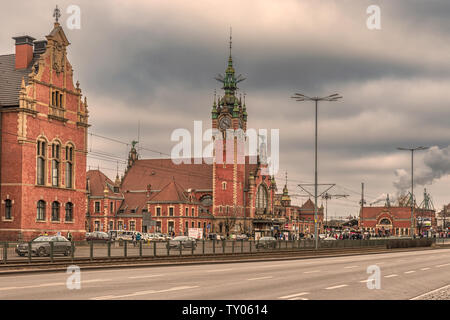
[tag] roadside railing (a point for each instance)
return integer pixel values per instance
(91, 250)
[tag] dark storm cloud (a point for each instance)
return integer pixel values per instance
(154, 63)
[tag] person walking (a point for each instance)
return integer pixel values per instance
(69, 236)
(133, 238)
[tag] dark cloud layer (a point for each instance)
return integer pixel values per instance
(152, 64)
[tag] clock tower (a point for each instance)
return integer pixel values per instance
(229, 118)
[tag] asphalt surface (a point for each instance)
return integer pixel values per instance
(403, 275)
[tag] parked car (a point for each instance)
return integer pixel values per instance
(330, 239)
(40, 246)
(241, 237)
(97, 236)
(183, 241)
(214, 236)
(266, 242)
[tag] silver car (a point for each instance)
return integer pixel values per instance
(40, 246)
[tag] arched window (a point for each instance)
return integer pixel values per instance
(56, 159)
(261, 198)
(8, 209)
(55, 211)
(41, 210)
(69, 166)
(385, 221)
(224, 186)
(206, 200)
(40, 166)
(69, 211)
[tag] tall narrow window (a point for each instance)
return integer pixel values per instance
(69, 211)
(8, 209)
(41, 210)
(69, 166)
(261, 198)
(171, 211)
(56, 157)
(158, 212)
(55, 211)
(40, 167)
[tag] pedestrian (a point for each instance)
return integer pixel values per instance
(133, 238)
(69, 236)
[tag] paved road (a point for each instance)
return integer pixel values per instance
(404, 275)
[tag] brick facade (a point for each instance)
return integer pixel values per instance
(48, 121)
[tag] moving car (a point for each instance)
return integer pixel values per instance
(183, 241)
(266, 242)
(40, 246)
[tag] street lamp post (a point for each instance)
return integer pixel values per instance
(301, 97)
(412, 182)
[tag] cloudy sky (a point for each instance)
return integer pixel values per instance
(152, 64)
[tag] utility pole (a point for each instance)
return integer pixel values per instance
(327, 197)
(302, 97)
(412, 183)
(362, 202)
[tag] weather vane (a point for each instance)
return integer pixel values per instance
(56, 13)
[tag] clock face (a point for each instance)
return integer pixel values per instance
(225, 123)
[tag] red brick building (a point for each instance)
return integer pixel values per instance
(396, 220)
(44, 123)
(229, 195)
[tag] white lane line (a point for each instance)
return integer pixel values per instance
(427, 293)
(423, 269)
(336, 287)
(312, 271)
(219, 270)
(140, 293)
(443, 265)
(349, 267)
(293, 295)
(391, 276)
(147, 276)
(368, 280)
(299, 298)
(411, 271)
(52, 284)
(260, 278)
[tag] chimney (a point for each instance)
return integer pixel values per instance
(24, 51)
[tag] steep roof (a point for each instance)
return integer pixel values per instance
(158, 172)
(308, 205)
(172, 192)
(11, 79)
(97, 181)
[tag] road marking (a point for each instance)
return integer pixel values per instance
(391, 276)
(260, 278)
(299, 298)
(367, 280)
(426, 293)
(425, 269)
(410, 271)
(349, 267)
(140, 293)
(294, 295)
(219, 270)
(312, 271)
(443, 265)
(336, 287)
(147, 276)
(52, 284)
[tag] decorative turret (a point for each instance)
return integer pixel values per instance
(285, 198)
(133, 155)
